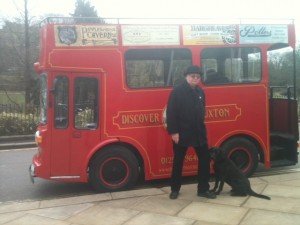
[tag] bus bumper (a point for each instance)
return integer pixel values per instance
(32, 173)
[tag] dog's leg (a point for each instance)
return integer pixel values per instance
(220, 187)
(221, 183)
(217, 181)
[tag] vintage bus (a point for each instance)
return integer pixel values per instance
(104, 87)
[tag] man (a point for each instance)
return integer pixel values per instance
(185, 124)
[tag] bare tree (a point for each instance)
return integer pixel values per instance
(27, 72)
(19, 50)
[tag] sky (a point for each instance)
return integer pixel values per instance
(257, 9)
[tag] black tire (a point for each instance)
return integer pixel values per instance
(243, 153)
(114, 168)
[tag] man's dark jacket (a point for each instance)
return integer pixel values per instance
(185, 115)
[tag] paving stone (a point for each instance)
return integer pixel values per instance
(279, 204)
(4, 218)
(122, 203)
(214, 213)
(205, 223)
(62, 212)
(137, 193)
(282, 177)
(29, 219)
(263, 217)
(283, 191)
(18, 206)
(100, 214)
(161, 205)
(153, 206)
(225, 197)
(75, 200)
(153, 219)
(289, 183)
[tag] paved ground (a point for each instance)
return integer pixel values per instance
(153, 207)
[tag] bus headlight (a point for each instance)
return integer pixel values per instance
(38, 138)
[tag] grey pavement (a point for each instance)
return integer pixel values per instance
(152, 206)
(15, 142)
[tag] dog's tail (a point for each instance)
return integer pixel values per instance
(254, 194)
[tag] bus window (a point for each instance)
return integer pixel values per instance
(231, 65)
(85, 103)
(146, 68)
(280, 64)
(44, 98)
(61, 103)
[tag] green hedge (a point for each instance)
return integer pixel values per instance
(17, 124)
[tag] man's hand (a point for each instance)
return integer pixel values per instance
(175, 138)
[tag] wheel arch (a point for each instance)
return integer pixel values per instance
(245, 151)
(121, 153)
(257, 144)
(250, 137)
(128, 146)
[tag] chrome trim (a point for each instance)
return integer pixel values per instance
(37, 133)
(32, 173)
(65, 177)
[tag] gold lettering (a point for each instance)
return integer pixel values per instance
(125, 119)
(217, 113)
(140, 118)
(156, 120)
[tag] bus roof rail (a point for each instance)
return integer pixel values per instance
(99, 20)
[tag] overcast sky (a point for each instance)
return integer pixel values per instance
(279, 9)
(163, 8)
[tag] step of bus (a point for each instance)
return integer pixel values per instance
(285, 136)
(282, 162)
(278, 153)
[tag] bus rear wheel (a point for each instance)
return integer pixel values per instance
(114, 168)
(243, 153)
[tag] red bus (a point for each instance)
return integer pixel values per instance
(104, 87)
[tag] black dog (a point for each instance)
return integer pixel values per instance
(226, 171)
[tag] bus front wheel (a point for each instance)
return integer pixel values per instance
(114, 168)
(243, 153)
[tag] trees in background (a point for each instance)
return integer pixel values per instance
(19, 44)
(83, 8)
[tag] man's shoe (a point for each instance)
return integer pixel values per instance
(174, 195)
(207, 194)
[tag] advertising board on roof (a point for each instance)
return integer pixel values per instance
(86, 35)
(209, 34)
(150, 35)
(260, 34)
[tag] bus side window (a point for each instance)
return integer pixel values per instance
(61, 103)
(153, 68)
(231, 65)
(86, 103)
(214, 77)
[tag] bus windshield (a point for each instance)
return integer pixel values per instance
(43, 98)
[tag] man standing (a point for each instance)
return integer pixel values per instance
(185, 124)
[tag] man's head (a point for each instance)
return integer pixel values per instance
(192, 75)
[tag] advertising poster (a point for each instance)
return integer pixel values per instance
(259, 34)
(209, 34)
(79, 35)
(149, 35)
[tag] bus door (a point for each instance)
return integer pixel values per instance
(283, 106)
(76, 123)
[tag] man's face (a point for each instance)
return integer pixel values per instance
(193, 79)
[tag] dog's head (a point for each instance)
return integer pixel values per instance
(217, 154)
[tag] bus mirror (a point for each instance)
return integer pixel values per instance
(54, 87)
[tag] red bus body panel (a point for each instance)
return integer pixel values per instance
(136, 116)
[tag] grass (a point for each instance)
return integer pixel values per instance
(12, 97)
